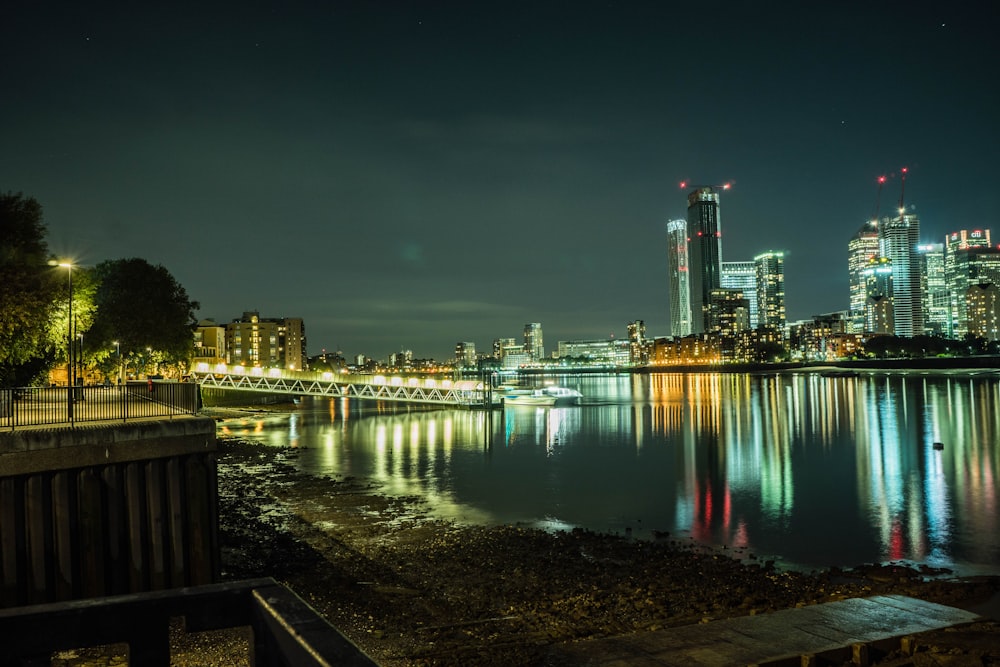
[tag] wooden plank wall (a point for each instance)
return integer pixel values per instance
(121, 527)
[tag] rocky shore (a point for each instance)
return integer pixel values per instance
(411, 590)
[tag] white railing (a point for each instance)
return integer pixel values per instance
(371, 387)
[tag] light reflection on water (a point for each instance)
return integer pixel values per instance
(812, 471)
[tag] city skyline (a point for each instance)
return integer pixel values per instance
(406, 176)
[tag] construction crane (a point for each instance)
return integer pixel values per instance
(878, 198)
(902, 190)
(687, 184)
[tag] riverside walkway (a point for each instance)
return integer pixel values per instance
(852, 631)
(51, 407)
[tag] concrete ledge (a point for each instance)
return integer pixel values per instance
(38, 450)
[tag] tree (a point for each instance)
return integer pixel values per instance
(29, 293)
(144, 310)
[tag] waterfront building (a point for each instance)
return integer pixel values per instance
(982, 304)
(861, 249)
(823, 337)
(503, 346)
(770, 289)
(292, 344)
(743, 276)
(516, 358)
(533, 342)
(604, 352)
(465, 354)
(267, 342)
(209, 343)
(678, 284)
(510, 353)
(704, 253)
(960, 272)
(937, 308)
(878, 303)
(693, 349)
(728, 315)
(898, 240)
(637, 344)
(760, 345)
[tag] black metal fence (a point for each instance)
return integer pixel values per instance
(40, 406)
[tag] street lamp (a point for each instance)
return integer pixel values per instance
(118, 348)
(70, 366)
(82, 375)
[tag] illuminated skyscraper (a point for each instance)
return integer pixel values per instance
(959, 275)
(982, 305)
(861, 249)
(533, 343)
(898, 240)
(937, 311)
(973, 266)
(878, 302)
(770, 290)
(743, 276)
(704, 253)
(679, 286)
(638, 351)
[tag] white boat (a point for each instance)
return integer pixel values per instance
(545, 396)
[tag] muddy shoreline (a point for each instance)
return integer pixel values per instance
(411, 590)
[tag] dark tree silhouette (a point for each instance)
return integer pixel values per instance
(29, 293)
(144, 309)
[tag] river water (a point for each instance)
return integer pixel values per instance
(805, 470)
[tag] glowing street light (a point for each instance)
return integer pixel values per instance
(118, 349)
(70, 366)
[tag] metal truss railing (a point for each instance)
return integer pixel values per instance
(444, 396)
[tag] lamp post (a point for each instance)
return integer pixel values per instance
(70, 365)
(118, 348)
(81, 377)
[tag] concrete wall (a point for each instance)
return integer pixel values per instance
(107, 509)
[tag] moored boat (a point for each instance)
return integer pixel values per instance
(545, 396)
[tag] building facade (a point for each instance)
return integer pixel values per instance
(534, 345)
(465, 354)
(960, 272)
(637, 344)
(898, 240)
(770, 268)
(861, 250)
(704, 253)
(878, 303)
(209, 343)
(729, 316)
(678, 278)
(743, 276)
(982, 304)
(254, 341)
(607, 352)
(937, 306)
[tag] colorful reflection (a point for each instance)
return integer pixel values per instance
(808, 470)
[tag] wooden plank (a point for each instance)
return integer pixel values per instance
(844, 627)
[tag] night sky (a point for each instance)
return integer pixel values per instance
(408, 175)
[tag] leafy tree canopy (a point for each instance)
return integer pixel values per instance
(141, 306)
(29, 292)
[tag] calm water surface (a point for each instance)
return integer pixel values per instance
(806, 470)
